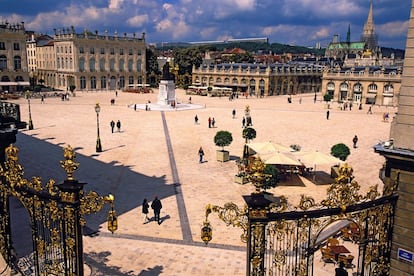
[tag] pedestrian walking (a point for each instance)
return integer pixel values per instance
(209, 122)
(300, 100)
(189, 100)
(355, 141)
(196, 119)
(234, 113)
(118, 125)
(116, 93)
(243, 122)
(145, 207)
(156, 206)
(201, 154)
(213, 122)
(42, 99)
(112, 125)
(135, 107)
(327, 115)
(369, 110)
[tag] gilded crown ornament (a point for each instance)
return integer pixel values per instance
(69, 164)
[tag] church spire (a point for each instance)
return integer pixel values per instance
(348, 34)
(368, 33)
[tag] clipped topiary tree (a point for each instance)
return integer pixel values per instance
(222, 139)
(249, 133)
(340, 151)
(327, 97)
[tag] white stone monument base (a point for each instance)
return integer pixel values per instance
(166, 94)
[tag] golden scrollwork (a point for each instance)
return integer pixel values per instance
(256, 175)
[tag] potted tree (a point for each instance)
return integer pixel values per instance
(222, 139)
(340, 151)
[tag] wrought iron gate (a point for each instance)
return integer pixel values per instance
(285, 240)
(56, 215)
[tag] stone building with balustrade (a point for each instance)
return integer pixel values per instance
(261, 80)
(366, 85)
(14, 75)
(91, 61)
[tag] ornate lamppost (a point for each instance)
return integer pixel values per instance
(28, 95)
(98, 139)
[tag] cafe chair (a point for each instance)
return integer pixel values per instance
(327, 255)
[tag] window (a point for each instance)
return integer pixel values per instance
(103, 82)
(17, 63)
(102, 64)
(102, 51)
(81, 64)
(82, 82)
(3, 62)
(57, 50)
(92, 65)
(121, 51)
(121, 82)
(112, 51)
(2, 46)
(81, 51)
(372, 88)
(92, 51)
(70, 49)
(121, 65)
(130, 52)
(130, 65)
(93, 82)
(138, 65)
(16, 46)
(139, 52)
(112, 65)
(130, 80)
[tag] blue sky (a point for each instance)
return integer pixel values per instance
(295, 22)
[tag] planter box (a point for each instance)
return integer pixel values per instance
(223, 155)
(240, 179)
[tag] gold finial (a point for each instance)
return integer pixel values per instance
(69, 164)
(12, 152)
(256, 175)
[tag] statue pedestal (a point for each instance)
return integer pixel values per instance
(166, 95)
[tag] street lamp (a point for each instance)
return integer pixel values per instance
(98, 139)
(30, 112)
(314, 90)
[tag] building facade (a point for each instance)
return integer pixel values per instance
(14, 75)
(366, 85)
(94, 62)
(261, 80)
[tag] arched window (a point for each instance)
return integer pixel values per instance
(103, 82)
(121, 82)
(139, 64)
(112, 65)
(102, 64)
(218, 80)
(81, 64)
(234, 81)
(17, 63)
(82, 82)
(93, 82)
(358, 88)
(226, 80)
(130, 65)
(372, 88)
(131, 80)
(92, 65)
(388, 89)
(121, 65)
(3, 62)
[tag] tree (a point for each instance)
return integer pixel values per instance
(273, 180)
(151, 62)
(327, 97)
(340, 151)
(72, 88)
(223, 138)
(187, 57)
(249, 133)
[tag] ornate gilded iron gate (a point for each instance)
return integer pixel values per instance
(284, 240)
(56, 215)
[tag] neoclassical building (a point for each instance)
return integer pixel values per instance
(14, 75)
(261, 80)
(91, 61)
(366, 85)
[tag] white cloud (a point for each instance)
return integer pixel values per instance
(392, 29)
(138, 20)
(115, 5)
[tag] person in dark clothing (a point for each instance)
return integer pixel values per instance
(196, 119)
(156, 206)
(118, 125)
(243, 122)
(112, 126)
(327, 115)
(355, 141)
(145, 207)
(201, 154)
(209, 122)
(234, 113)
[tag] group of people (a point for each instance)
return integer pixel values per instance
(156, 205)
(211, 122)
(118, 125)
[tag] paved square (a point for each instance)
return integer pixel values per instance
(156, 153)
